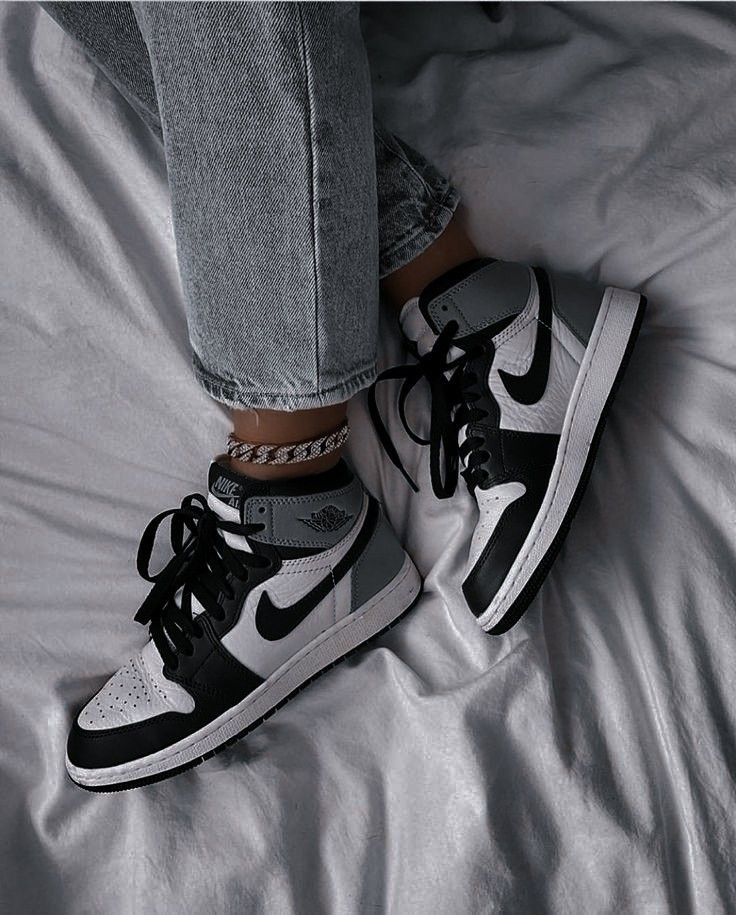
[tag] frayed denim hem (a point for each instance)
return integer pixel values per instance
(436, 218)
(244, 398)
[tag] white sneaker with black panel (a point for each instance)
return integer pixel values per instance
(522, 365)
(270, 585)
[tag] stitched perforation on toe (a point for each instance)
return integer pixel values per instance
(136, 692)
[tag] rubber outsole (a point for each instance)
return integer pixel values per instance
(191, 764)
(529, 591)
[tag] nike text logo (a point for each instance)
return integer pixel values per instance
(227, 491)
(529, 388)
(274, 623)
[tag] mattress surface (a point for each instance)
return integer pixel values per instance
(582, 762)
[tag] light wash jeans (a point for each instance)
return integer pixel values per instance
(289, 200)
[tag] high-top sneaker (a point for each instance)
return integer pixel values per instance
(270, 584)
(522, 365)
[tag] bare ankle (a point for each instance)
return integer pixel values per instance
(286, 430)
(286, 471)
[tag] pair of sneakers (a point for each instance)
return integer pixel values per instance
(272, 583)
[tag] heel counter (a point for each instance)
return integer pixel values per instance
(576, 302)
(380, 563)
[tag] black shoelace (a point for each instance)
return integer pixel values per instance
(199, 567)
(453, 404)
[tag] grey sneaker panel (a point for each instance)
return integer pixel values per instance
(489, 295)
(317, 521)
(380, 562)
(576, 303)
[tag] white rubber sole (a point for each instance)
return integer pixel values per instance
(610, 343)
(331, 646)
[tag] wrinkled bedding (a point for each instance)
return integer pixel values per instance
(581, 763)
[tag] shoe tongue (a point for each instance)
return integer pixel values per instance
(226, 489)
(414, 326)
(229, 487)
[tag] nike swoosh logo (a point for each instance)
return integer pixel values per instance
(529, 388)
(274, 623)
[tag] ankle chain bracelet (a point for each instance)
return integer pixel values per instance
(287, 454)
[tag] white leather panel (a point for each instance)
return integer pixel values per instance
(295, 579)
(414, 326)
(515, 354)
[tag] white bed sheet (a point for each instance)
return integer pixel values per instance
(583, 762)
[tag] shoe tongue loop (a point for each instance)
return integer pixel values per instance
(415, 327)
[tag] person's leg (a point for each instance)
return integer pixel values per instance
(264, 111)
(415, 205)
(266, 123)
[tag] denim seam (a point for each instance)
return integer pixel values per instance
(222, 389)
(312, 187)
